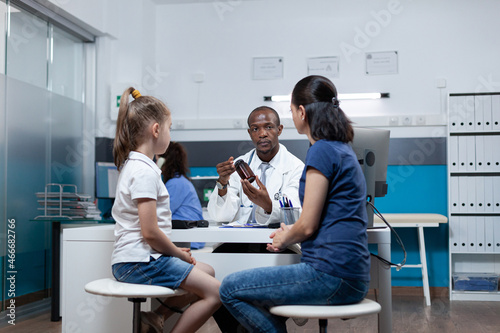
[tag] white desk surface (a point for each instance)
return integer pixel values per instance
(411, 220)
(212, 234)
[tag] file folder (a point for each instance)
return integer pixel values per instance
(471, 153)
(488, 194)
(455, 233)
(469, 114)
(453, 144)
(496, 234)
(462, 194)
(471, 234)
(454, 200)
(463, 233)
(479, 153)
(480, 194)
(495, 112)
(488, 153)
(496, 194)
(489, 234)
(471, 194)
(487, 115)
(480, 245)
(456, 115)
(462, 153)
(496, 153)
(478, 113)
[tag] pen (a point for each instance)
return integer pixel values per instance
(290, 203)
(281, 204)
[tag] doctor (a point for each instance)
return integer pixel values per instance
(278, 173)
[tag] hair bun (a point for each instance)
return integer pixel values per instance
(335, 102)
(136, 94)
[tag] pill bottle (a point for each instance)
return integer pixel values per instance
(244, 170)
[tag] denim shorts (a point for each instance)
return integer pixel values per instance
(165, 271)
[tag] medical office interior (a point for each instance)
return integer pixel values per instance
(64, 63)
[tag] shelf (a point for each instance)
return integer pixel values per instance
(474, 296)
(466, 133)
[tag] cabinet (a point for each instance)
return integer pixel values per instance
(474, 189)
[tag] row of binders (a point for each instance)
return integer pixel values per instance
(475, 234)
(474, 153)
(475, 194)
(474, 112)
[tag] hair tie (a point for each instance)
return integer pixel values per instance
(335, 102)
(136, 94)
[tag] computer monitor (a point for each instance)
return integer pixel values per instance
(106, 178)
(204, 186)
(372, 150)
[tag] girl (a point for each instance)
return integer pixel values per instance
(143, 252)
(335, 261)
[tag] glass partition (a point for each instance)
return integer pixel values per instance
(42, 105)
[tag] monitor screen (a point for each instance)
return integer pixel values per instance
(204, 186)
(106, 178)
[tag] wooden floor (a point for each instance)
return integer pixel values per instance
(409, 315)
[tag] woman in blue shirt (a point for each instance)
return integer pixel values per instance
(335, 261)
(184, 201)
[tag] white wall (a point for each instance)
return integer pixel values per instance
(447, 39)
(161, 47)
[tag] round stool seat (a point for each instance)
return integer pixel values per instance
(365, 307)
(111, 287)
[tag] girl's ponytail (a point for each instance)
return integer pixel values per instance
(123, 143)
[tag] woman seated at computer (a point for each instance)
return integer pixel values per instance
(335, 261)
(184, 201)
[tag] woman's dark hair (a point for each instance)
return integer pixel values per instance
(318, 96)
(176, 163)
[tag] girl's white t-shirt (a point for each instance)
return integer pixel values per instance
(139, 178)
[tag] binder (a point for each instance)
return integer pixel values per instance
(479, 194)
(478, 113)
(471, 234)
(455, 233)
(488, 153)
(496, 235)
(471, 194)
(488, 194)
(462, 194)
(453, 144)
(496, 194)
(470, 153)
(480, 245)
(454, 201)
(487, 115)
(463, 233)
(495, 112)
(489, 234)
(496, 153)
(469, 114)
(479, 153)
(456, 114)
(462, 153)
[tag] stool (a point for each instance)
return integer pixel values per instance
(325, 312)
(136, 293)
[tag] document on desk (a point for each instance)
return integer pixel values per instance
(237, 224)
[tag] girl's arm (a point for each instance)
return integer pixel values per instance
(152, 233)
(316, 189)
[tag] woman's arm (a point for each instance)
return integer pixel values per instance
(152, 233)
(316, 189)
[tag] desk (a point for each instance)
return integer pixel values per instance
(56, 257)
(87, 256)
(419, 221)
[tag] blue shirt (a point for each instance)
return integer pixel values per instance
(184, 201)
(340, 245)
